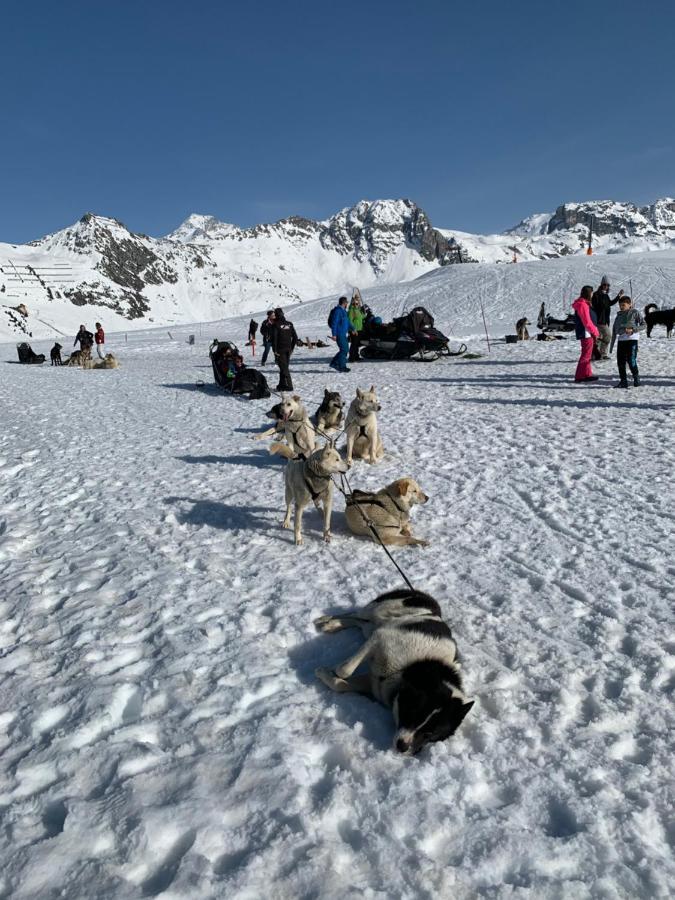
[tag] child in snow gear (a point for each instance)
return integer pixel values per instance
(627, 326)
(266, 335)
(99, 339)
(340, 327)
(586, 331)
(602, 305)
(86, 341)
(284, 340)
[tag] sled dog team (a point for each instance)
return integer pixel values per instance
(409, 652)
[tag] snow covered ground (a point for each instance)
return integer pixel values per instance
(162, 730)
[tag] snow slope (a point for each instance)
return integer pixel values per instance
(163, 733)
(206, 269)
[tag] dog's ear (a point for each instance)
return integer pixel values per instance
(372, 389)
(466, 707)
(359, 393)
(401, 486)
(296, 398)
(326, 392)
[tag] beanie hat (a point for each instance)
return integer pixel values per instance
(605, 280)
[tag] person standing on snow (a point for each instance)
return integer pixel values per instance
(586, 331)
(357, 317)
(627, 327)
(602, 308)
(85, 339)
(266, 334)
(284, 340)
(99, 340)
(340, 327)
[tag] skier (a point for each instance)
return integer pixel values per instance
(284, 340)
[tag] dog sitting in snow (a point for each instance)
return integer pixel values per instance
(76, 358)
(309, 479)
(363, 437)
(329, 415)
(387, 511)
(108, 362)
(521, 329)
(56, 355)
(412, 666)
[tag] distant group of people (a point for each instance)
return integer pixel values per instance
(86, 340)
(592, 310)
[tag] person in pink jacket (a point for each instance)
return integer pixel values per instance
(586, 331)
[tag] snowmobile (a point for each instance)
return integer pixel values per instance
(240, 381)
(411, 336)
(550, 323)
(28, 356)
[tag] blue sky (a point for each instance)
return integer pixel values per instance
(482, 112)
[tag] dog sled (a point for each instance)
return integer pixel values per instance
(411, 336)
(27, 356)
(549, 323)
(232, 375)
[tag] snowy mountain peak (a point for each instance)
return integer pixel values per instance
(200, 229)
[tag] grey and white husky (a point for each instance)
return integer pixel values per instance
(363, 437)
(412, 666)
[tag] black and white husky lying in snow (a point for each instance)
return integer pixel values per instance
(412, 666)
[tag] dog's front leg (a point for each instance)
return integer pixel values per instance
(350, 446)
(373, 445)
(299, 509)
(359, 684)
(327, 511)
(289, 503)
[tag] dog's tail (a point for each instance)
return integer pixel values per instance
(650, 307)
(282, 450)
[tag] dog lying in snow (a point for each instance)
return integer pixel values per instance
(108, 362)
(308, 480)
(329, 415)
(363, 437)
(412, 666)
(291, 420)
(388, 511)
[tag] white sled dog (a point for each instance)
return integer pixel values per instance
(388, 511)
(363, 437)
(309, 480)
(412, 666)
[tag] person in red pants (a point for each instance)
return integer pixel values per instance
(586, 331)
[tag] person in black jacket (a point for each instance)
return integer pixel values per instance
(86, 341)
(284, 340)
(266, 334)
(602, 305)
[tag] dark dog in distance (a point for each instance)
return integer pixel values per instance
(56, 355)
(655, 316)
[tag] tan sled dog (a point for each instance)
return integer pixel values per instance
(363, 437)
(297, 428)
(309, 480)
(388, 511)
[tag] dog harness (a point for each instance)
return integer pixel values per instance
(314, 494)
(356, 498)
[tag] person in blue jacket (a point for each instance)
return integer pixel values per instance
(340, 327)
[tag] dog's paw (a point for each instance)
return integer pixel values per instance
(286, 523)
(327, 537)
(299, 541)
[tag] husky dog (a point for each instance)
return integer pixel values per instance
(56, 355)
(310, 480)
(363, 438)
(108, 362)
(76, 358)
(329, 415)
(412, 666)
(277, 429)
(388, 511)
(655, 316)
(298, 430)
(521, 329)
